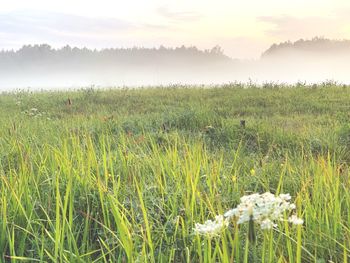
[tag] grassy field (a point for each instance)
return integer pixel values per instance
(124, 175)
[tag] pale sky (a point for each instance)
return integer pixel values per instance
(244, 29)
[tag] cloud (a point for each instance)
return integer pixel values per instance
(288, 27)
(177, 16)
(38, 23)
(31, 27)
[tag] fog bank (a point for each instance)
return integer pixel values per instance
(40, 66)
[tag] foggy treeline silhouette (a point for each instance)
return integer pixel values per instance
(39, 55)
(40, 64)
(317, 45)
(314, 60)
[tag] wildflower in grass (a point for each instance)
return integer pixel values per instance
(292, 207)
(211, 228)
(295, 220)
(263, 209)
(285, 197)
(231, 213)
(252, 172)
(267, 224)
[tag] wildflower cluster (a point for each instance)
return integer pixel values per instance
(212, 228)
(33, 112)
(264, 209)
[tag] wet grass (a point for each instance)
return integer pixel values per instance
(123, 175)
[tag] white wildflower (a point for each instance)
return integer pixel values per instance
(211, 228)
(263, 209)
(295, 220)
(231, 213)
(285, 197)
(267, 224)
(292, 206)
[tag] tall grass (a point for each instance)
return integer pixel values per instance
(123, 175)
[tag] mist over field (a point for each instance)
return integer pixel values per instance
(41, 66)
(175, 131)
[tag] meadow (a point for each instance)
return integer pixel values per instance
(123, 175)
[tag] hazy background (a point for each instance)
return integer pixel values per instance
(115, 43)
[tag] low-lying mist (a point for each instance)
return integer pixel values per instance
(41, 67)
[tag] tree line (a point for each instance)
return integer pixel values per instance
(316, 45)
(44, 55)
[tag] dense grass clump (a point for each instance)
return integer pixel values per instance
(124, 175)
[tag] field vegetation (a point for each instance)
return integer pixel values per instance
(123, 175)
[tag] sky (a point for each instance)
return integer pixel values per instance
(244, 29)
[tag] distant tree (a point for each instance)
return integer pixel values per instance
(316, 45)
(217, 50)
